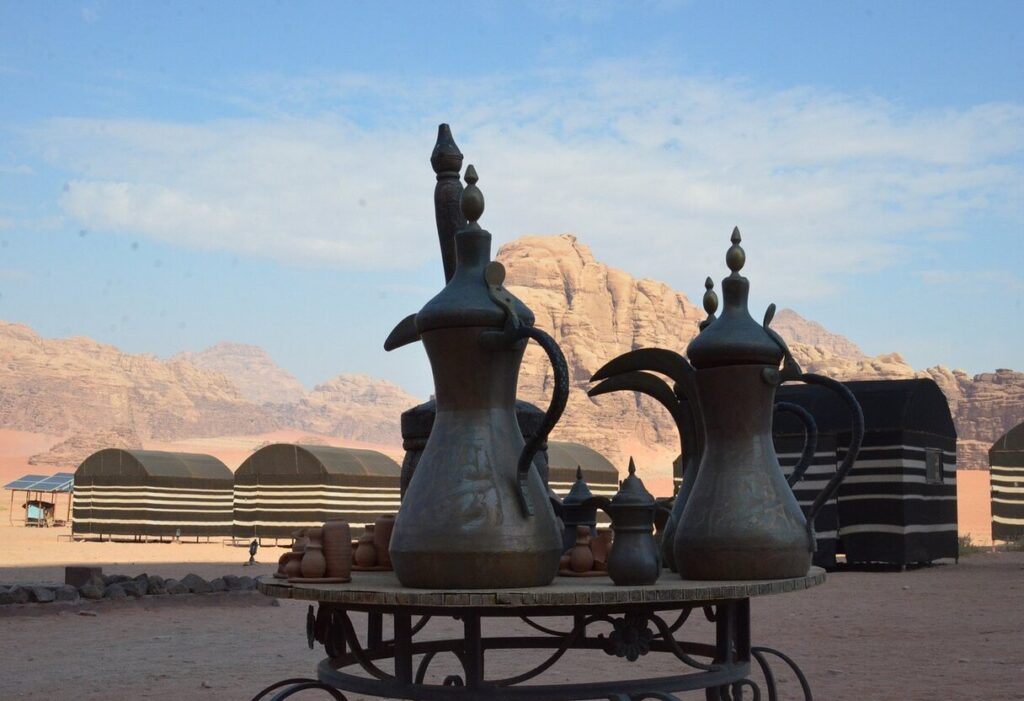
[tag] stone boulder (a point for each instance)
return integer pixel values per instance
(175, 587)
(41, 594)
(67, 593)
(218, 584)
(196, 584)
(115, 592)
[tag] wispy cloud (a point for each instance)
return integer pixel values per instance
(652, 171)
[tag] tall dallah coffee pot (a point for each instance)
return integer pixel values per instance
(739, 519)
(476, 513)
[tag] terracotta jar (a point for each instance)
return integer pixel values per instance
(337, 547)
(366, 554)
(314, 566)
(600, 545)
(281, 562)
(293, 565)
(382, 529)
(581, 559)
(299, 540)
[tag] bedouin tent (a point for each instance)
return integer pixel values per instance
(152, 493)
(600, 474)
(1006, 472)
(285, 486)
(898, 504)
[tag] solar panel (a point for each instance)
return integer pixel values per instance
(60, 482)
(25, 482)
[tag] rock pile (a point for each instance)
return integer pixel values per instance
(119, 587)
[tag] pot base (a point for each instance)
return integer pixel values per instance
(484, 570)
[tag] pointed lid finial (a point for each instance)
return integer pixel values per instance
(734, 338)
(710, 303)
(472, 198)
(446, 157)
(467, 298)
(631, 490)
(579, 492)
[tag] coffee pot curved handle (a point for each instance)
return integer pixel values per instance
(513, 332)
(856, 438)
(810, 439)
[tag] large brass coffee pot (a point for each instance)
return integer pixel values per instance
(476, 513)
(737, 518)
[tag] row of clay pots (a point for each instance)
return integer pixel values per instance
(589, 554)
(328, 552)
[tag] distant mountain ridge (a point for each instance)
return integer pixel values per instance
(97, 396)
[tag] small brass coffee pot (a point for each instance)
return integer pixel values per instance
(634, 558)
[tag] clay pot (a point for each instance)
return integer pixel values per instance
(366, 554)
(293, 564)
(314, 565)
(281, 562)
(299, 540)
(382, 529)
(600, 545)
(338, 548)
(563, 562)
(581, 559)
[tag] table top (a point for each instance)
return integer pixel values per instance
(383, 589)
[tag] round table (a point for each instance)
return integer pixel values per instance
(626, 622)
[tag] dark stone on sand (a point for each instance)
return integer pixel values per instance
(5, 597)
(156, 585)
(78, 576)
(91, 590)
(19, 595)
(115, 592)
(66, 592)
(218, 584)
(246, 583)
(142, 584)
(232, 582)
(42, 595)
(175, 587)
(196, 584)
(131, 588)
(115, 578)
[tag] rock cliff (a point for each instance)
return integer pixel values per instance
(250, 368)
(596, 313)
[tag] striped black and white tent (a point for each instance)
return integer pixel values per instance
(152, 493)
(1006, 465)
(898, 504)
(564, 457)
(284, 486)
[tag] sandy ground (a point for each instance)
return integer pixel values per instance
(945, 632)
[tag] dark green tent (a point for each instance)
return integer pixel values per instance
(285, 486)
(152, 493)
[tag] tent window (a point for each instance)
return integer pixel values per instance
(933, 465)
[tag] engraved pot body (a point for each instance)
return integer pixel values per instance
(461, 525)
(741, 520)
(338, 548)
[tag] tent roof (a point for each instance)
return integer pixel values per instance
(909, 405)
(152, 463)
(1011, 440)
(564, 455)
(290, 458)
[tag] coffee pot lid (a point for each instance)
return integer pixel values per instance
(580, 491)
(466, 299)
(632, 491)
(734, 338)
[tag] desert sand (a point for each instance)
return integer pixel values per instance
(952, 631)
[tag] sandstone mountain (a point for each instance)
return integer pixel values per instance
(596, 313)
(251, 370)
(99, 397)
(76, 385)
(357, 407)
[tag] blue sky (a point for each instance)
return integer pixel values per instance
(177, 174)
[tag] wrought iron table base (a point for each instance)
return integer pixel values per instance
(722, 670)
